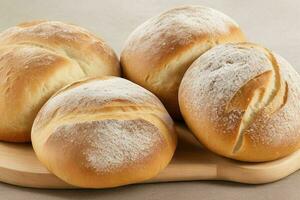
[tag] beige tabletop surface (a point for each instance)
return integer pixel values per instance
(272, 23)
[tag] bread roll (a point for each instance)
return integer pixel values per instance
(242, 101)
(104, 132)
(158, 52)
(37, 59)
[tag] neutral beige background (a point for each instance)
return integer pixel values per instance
(275, 24)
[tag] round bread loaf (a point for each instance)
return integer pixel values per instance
(242, 101)
(104, 132)
(37, 59)
(158, 52)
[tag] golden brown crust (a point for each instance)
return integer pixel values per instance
(105, 132)
(157, 54)
(38, 58)
(241, 101)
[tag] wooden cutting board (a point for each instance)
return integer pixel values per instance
(19, 166)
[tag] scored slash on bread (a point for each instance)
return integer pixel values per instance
(267, 93)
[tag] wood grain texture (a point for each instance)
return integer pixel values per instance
(19, 166)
